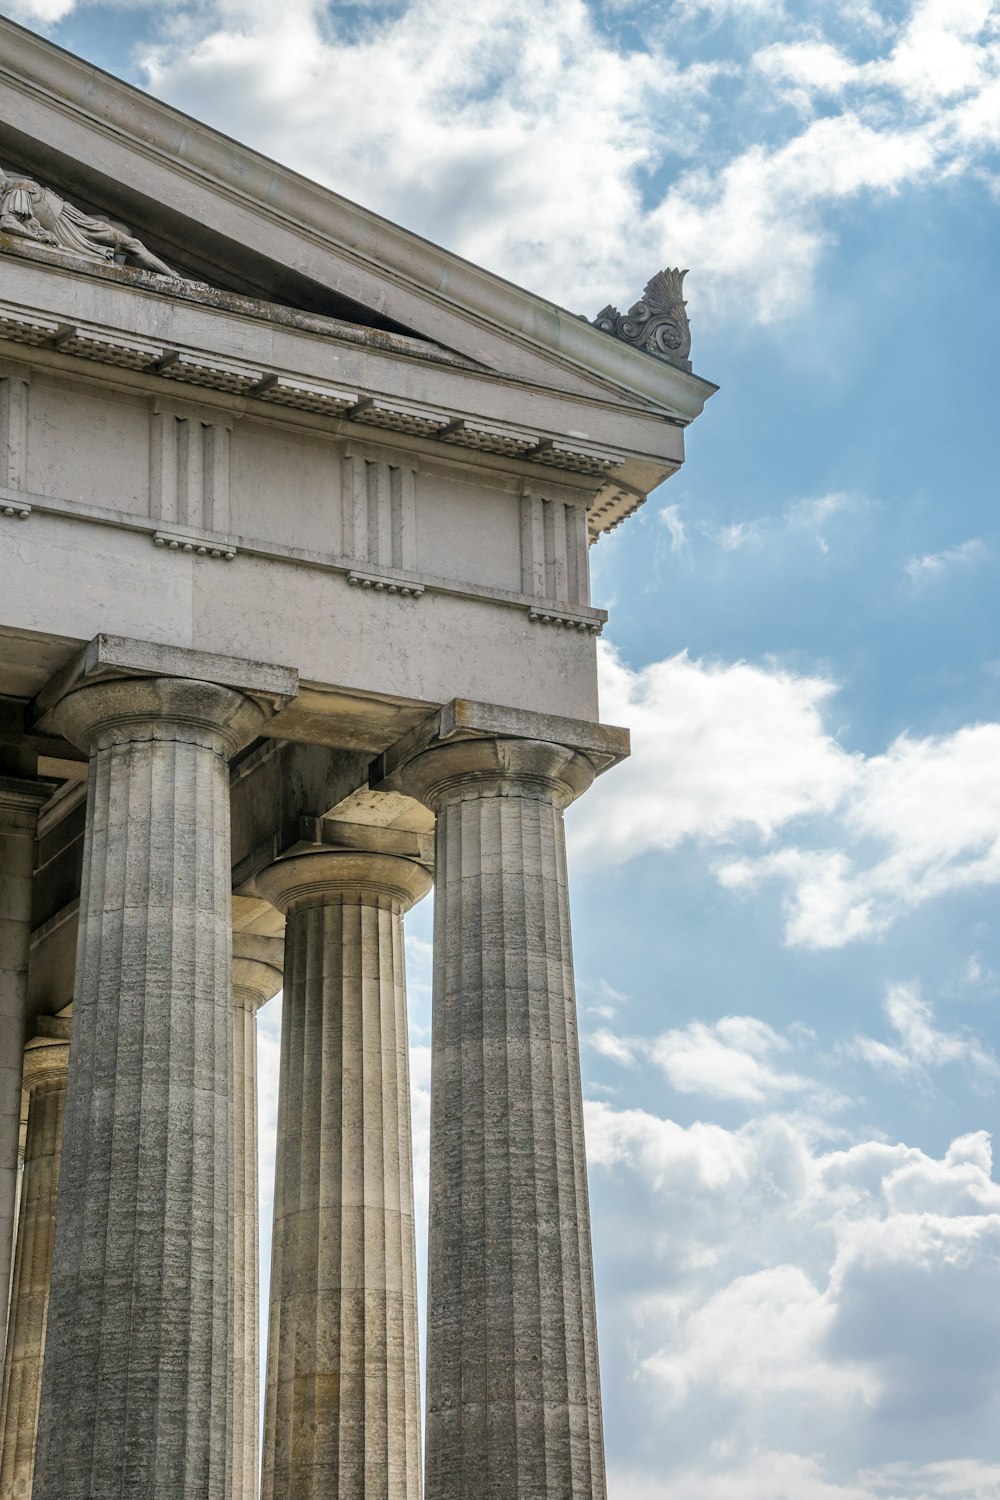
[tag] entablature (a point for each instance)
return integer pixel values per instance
(380, 381)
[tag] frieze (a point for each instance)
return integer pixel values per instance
(195, 368)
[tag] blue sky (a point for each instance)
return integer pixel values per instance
(786, 904)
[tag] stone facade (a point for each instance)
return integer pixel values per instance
(295, 621)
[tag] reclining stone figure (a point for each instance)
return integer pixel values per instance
(37, 213)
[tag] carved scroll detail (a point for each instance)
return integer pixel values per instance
(658, 323)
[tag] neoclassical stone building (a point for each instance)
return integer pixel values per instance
(294, 621)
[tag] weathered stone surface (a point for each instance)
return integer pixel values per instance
(20, 801)
(513, 1390)
(32, 212)
(604, 745)
(342, 1413)
(46, 1067)
(137, 1386)
(257, 965)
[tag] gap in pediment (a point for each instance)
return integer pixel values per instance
(199, 253)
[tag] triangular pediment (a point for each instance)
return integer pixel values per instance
(197, 255)
(222, 214)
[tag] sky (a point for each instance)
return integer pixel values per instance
(788, 953)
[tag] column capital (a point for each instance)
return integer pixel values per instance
(462, 719)
(498, 751)
(257, 969)
(46, 1061)
(116, 657)
(496, 768)
(343, 877)
(123, 710)
(21, 800)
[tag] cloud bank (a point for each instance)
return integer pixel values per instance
(739, 757)
(576, 155)
(804, 1300)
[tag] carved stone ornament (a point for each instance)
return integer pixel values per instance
(33, 212)
(658, 324)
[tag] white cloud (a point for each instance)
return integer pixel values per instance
(978, 975)
(615, 1048)
(419, 978)
(735, 1058)
(801, 70)
(720, 10)
(735, 753)
(603, 1000)
(669, 1157)
(525, 136)
(756, 228)
(508, 123)
(791, 1476)
(732, 1059)
(761, 1335)
(812, 514)
(39, 12)
(934, 565)
(420, 1112)
(926, 108)
(808, 515)
(718, 751)
(801, 1310)
(933, 807)
(921, 1045)
(733, 536)
(960, 1479)
(942, 53)
(673, 521)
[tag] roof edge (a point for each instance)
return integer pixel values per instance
(256, 180)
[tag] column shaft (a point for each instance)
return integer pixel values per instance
(246, 1254)
(256, 978)
(513, 1390)
(19, 805)
(137, 1387)
(45, 1072)
(342, 1417)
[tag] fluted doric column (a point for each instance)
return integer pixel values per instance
(46, 1067)
(20, 802)
(513, 1390)
(341, 1414)
(137, 1385)
(256, 979)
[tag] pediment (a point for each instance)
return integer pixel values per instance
(197, 255)
(228, 218)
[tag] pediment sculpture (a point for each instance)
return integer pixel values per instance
(33, 212)
(658, 323)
